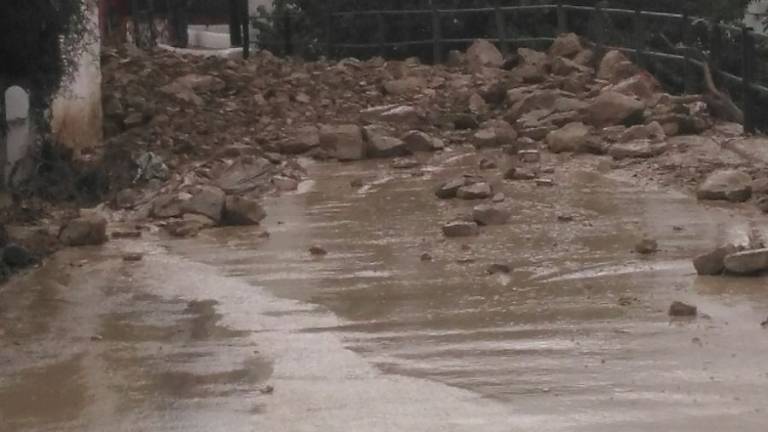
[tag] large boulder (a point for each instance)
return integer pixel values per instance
(84, 231)
(488, 214)
(345, 142)
(570, 138)
(713, 263)
(566, 45)
(612, 108)
(303, 140)
(726, 185)
(205, 200)
(418, 141)
(169, 205)
(484, 54)
(615, 67)
(246, 175)
(747, 262)
(533, 66)
(243, 211)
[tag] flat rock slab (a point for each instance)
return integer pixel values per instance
(487, 214)
(474, 191)
(727, 185)
(460, 229)
(747, 262)
(641, 149)
(713, 263)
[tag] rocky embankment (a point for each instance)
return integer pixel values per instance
(197, 142)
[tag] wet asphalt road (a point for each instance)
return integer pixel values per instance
(370, 338)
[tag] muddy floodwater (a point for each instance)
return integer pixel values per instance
(233, 331)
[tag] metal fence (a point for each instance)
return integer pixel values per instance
(672, 45)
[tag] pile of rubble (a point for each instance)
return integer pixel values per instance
(199, 140)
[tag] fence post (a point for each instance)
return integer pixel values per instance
(687, 73)
(747, 70)
(501, 29)
(246, 29)
(600, 36)
(329, 32)
(381, 23)
(287, 43)
(437, 35)
(235, 30)
(715, 45)
(562, 19)
(639, 36)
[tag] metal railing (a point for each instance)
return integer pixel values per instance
(691, 58)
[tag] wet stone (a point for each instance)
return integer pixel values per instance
(517, 173)
(356, 183)
(243, 211)
(680, 309)
(498, 269)
(425, 257)
(16, 256)
(474, 191)
(84, 231)
(404, 163)
(487, 214)
(730, 185)
(460, 229)
(712, 263)
(498, 198)
(544, 182)
(486, 164)
(133, 257)
(647, 246)
(530, 156)
(747, 262)
(450, 188)
(317, 251)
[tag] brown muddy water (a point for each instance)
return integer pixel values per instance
(370, 338)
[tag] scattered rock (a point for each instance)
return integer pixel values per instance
(285, 184)
(127, 199)
(404, 163)
(729, 185)
(615, 67)
(613, 108)
(652, 131)
(570, 138)
(518, 173)
(126, 234)
(487, 214)
(243, 211)
(479, 190)
(450, 188)
(486, 164)
(483, 54)
(317, 251)
(748, 262)
(17, 257)
(425, 257)
(205, 200)
(641, 149)
(460, 229)
(404, 86)
(530, 156)
(545, 182)
(680, 309)
(356, 183)
(465, 122)
(380, 146)
(566, 45)
(133, 257)
(84, 231)
(647, 246)
(713, 263)
(344, 142)
(304, 139)
(418, 141)
(189, 225)
(498, 198)
(498, 269)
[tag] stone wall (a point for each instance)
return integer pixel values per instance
(76, 110)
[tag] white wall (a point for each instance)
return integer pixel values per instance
(20, 136)
(76, 110)
(755, 13)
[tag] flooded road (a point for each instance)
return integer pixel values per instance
(232, 331)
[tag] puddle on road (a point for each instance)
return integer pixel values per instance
(371, 338)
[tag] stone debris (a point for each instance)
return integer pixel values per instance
(460, 228)
(646, 246)
(87, 230)
(748, 262)
(480, 190)
(727, 185)
(488, 214)
(317, 251)
(679, 309)
(498, 269)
